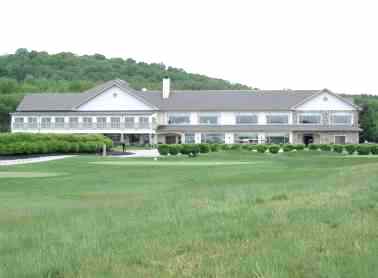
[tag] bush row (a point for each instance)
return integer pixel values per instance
(18, 143)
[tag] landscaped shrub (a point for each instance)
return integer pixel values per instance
(191, 150)
(274, 149)
(235, 147)
(245, 147)
(173, 149)
(351, 149)
(325, 147)
(363, 149)
(225, 147)
(338, 148)
(299, 147)
(204, 148)
(261, 148)
(313, 147)
(163, 149)
(214, 147)
(288, 148)
(374, 149)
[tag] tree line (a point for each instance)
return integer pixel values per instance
(38, 71)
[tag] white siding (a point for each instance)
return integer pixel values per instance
(325, 102)
(114, 99)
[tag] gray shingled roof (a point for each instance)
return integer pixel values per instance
(200, 100)
(252, 128)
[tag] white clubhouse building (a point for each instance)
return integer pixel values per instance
(168, 116)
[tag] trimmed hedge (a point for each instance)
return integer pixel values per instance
(299, 147)
(274, 149)
(261, 148)
(351, 149)
(374, 149)
(313, 147)
(288, 148)
(338, 148)
(163, 149)
(214, 147)
(204, 148)
(363, 149)
(26, 144)
(326, 148)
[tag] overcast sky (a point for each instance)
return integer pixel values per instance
(268, 44)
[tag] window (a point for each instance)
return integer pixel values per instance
(143, 122)
(246, 119)
(178, 118)
(208, 119)
(212, 138)
(309, 118)
(59, 122)
(18, 122)
(46, 122)
(341, 118)
(73, 122)
(87, 122)
(246, 138)
(277, 119)
(340, 139)
(129, 122)
(101, 122)
(32, 122)
(115, 122)
(189, 138)
(277, 138)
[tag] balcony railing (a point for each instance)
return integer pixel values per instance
(82, 126)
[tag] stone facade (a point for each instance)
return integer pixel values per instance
(326, 137)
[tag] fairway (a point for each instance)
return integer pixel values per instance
(226, 214)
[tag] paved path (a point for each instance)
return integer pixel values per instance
(141, 153)
(32, 160)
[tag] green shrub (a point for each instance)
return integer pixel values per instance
(351, 149)
(325, 147)
(261, 148)
(214, 147)
(225, 147)
(338, 148)
(245, 147)
(173, 149)
(288, 148)
(274, 148)
(374, 149)
(299, 147)
(235, 147)
(204, 148)
(191, 150)
(363, 149)
(163, 149)
(313, 147)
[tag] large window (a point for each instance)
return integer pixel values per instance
(178, 118)
(309, 118)
(101, 122)
(59, 122)
(277, 138)
(73, 122)
(143, 122)
(129, 122)
(32, 122)
(87, 122)
(208, 119)
(19, 122)
(246, 138)
(341, 118)
(115, 122)
(46, 122)
(189, 138)
(246, 119)
(212, 138)
(277, 119)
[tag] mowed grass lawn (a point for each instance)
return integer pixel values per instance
(287, 215)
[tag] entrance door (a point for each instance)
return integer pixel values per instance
(308, 139)
(170, 139)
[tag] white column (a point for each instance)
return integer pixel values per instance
(229, 138)
(261, 137)
(197, 138)
(291, 137)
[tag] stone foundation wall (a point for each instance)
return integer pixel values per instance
(326, 137)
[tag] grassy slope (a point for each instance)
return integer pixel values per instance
(286, 216)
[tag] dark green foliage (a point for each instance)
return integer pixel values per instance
(363, 149)
(261, 148)
(313, 147)
(325, 147)
(20, 143)
(214, 147)
(288, 148)
(338, 148)
(351, 149)
(173, 149)
(225, 147)
(368, 117)
(374, 149)
(299, 147)
(191, 150)
(163, 149)
(245, 147)
(235, 147)
(274, 148)
(280, 197)
(204, 148)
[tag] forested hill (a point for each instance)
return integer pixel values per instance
(33, 71)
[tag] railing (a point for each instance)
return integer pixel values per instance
(82, 126)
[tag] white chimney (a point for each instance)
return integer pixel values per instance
(166, 87)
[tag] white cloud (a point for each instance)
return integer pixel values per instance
(298, 44)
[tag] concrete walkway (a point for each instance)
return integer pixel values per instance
(32, 160)
(141, 153)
